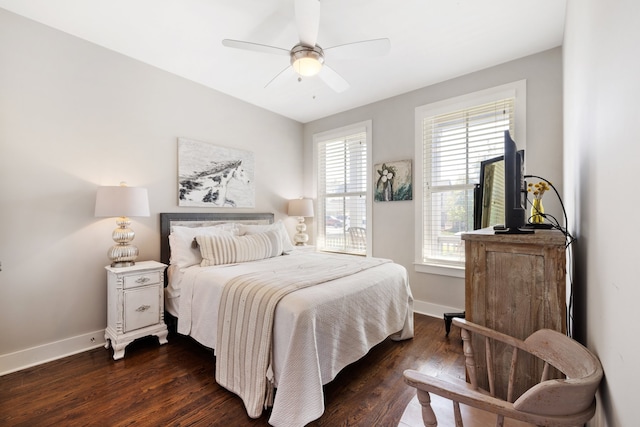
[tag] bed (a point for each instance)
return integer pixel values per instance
(282, 320)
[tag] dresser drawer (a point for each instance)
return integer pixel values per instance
(141, 307)
(142, 279)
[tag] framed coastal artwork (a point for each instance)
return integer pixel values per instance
(392, 181)
(214, 176)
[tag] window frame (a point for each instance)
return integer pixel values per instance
(341, 132)
(517, 90)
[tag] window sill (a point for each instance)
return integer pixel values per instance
(441, 270)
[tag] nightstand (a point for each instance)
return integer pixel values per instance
(135, 305)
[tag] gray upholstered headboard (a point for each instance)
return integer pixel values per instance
(203, 219)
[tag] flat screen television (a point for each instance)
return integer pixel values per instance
(502, 198)
(515, 190)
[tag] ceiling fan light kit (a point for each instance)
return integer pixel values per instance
(307, 61)
(306, 57)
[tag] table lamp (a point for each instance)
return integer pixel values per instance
(122, 202)
(301, 208)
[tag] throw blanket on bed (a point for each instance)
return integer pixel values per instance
(245, 323)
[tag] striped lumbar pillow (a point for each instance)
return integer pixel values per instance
(228, 249)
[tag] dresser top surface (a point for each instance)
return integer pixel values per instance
(549, 237)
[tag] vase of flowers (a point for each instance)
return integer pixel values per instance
(537, 210)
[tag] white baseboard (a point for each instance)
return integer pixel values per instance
(33, 356)
(434, 310)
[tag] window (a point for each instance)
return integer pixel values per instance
(342, 165)
(452, 138)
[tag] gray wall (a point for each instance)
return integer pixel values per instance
(74, 116)
(602, 160)
(394, 139)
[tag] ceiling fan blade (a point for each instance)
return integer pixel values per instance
(256, 47)
(333, 79)
(281, 77)
(362, 49)
(308, 21)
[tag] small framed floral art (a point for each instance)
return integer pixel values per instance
(392, 181)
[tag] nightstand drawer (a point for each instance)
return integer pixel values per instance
(143, 279)
(141, 307)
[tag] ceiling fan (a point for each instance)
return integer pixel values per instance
(306, 57)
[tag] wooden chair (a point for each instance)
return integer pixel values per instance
(358, 238)
(567, 401)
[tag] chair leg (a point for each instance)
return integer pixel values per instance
(428, 416)
(456, 414)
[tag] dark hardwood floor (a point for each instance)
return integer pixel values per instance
(173, 385)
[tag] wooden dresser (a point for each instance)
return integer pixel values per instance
(515, 284)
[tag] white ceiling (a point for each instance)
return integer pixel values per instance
(431, 41)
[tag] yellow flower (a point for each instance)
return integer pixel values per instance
(538, 189)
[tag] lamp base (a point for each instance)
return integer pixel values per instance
(123, 264)
(301, 238)
(123, 254)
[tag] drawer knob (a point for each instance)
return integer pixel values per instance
(143, 279)
(143, 308)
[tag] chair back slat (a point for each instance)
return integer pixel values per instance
(546, 375)
(469, 359)
(491, 375)
(512, 374)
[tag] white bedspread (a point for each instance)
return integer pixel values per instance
(317, 330)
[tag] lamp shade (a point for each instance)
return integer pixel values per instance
(301, 207)
(122, 201)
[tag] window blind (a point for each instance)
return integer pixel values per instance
(342, 193)
(454, 144)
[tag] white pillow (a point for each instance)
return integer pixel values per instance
(287, 246)
(219, 249)
(183, 251)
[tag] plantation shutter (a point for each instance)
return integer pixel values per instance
(342, 193)
(454, 144)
